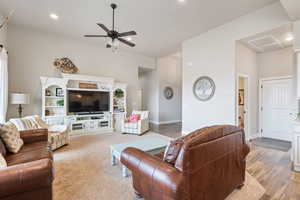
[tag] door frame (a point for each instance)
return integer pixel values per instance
(260, 110)
(246, 100)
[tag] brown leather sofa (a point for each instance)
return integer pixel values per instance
(29, 174)
(209, 166)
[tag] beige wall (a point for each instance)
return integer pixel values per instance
(170, 74)
(276, 63)
(167, 73)
(3, 34)
(31, 54)
(213, 54)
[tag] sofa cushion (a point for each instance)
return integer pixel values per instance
(130, 125)
(30, 152)
(174, 147)
(11, 137)
(172, 151)
(3, 163)
(2, 147)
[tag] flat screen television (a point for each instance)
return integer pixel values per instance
(88, 102)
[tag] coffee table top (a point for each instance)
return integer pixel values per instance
(146, 144)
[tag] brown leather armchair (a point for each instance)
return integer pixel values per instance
(29, 174)
(210, 164)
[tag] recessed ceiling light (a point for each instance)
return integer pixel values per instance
(181, 1)
(289, 38)
(54, 16)
(129, 38)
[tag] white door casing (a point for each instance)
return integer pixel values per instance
(276, 108)
(246, 103)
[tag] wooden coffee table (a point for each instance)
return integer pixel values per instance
(153, 145)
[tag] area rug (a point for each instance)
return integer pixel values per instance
(83, 171)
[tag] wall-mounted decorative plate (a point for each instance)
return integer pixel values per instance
(204, 88)
(168, 93)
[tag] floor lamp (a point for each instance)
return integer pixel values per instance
(19, 99)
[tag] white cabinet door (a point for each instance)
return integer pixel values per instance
(276, 109)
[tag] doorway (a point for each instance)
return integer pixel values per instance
(243, 103)
(276, 108)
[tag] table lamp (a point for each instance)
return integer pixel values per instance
(19, 99)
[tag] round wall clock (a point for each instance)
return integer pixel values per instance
(168, 93)
(204, 88)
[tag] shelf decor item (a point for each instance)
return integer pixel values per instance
(168, 93)
(59, 92)
(119, 93)
(65, 65)
(88, 85)
(60, 102)
(48, 93)
(19, 99)
(204, 88)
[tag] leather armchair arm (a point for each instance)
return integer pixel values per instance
(35, 135)
(152, 176)
(26, 177)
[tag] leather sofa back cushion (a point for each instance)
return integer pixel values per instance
(2, 148)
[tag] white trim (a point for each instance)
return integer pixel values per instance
(247, 99)
(170, 122)
(261, 80)
(253, 136)
(165, 122)
(275, 78)
(154, 122)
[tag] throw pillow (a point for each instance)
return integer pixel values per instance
(134, 118)
(2, 147)
(3, 163)
(11, 137)
(172, 151)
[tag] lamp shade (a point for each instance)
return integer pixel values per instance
(18, 98)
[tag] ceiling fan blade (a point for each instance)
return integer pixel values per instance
(103, 27)
(129, 33)
(126, 42)
(95, 36)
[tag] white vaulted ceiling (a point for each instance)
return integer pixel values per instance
(161, 24)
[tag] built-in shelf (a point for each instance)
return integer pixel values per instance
(54, 106)
(54, 97)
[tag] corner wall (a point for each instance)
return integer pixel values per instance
(170, 75)
(213, 54)
(247, 64)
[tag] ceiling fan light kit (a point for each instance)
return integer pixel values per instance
(114, 37)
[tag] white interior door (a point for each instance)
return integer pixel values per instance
(277, 109)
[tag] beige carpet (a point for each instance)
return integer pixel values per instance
(83, 171)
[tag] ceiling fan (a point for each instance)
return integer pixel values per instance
(114, 35)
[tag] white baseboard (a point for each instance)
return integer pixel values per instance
(253, 136)
(165, 122)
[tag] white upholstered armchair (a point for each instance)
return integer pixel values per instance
(139, 127)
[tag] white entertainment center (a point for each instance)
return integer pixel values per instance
(55, 103)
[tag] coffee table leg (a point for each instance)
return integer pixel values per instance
(124, 171)
(113, 160)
